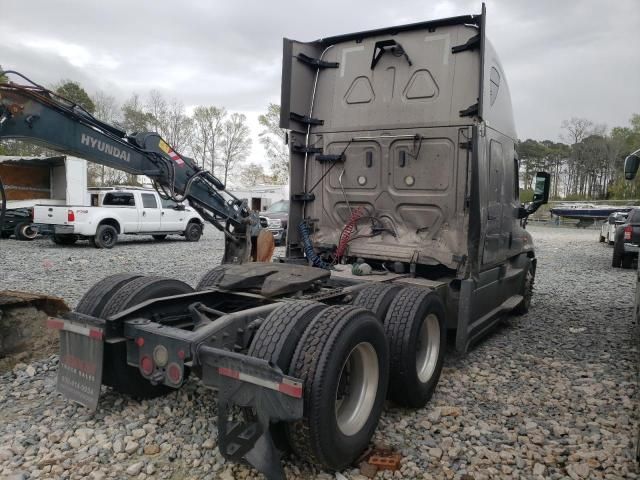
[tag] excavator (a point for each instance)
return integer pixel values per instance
(33, 113)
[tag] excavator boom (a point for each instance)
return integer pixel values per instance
(36, 114)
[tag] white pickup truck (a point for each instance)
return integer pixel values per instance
(118, 211)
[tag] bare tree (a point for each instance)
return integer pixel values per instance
(208, 124)
(169, 119)
(272, 138)
(576, 129)
(253, 174)
(107, 110)
(235, 144)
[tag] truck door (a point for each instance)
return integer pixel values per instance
(494, 239)
(172, 219)
(150, 214)
(127, 212)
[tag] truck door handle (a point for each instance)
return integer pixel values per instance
(144, 214)
(491, 217)
(162, 213)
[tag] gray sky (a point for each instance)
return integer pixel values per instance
(561, 58)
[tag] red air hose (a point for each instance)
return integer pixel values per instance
(345, 236)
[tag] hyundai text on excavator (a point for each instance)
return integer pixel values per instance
(405, 224)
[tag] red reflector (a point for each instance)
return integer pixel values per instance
(140, 341)
(181, 354)
(146, 365)
(291, 390)
(174, 372)
(97, 334)
(53, 323)
(71, 217)
(627, 232)
(227, 372)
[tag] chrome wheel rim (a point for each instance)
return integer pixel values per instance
(428, 349)
(357, 388)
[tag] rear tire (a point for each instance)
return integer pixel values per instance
(97, 296)
(342, 360)
(24, 231)
(159, 238)
(193, 232)
(416, 328)
(119, 375)
(276, 341)
(64, 239)
(377, 298)
(106, 236)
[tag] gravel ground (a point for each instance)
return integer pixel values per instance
(551, 394)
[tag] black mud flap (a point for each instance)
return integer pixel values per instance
(81, 361)
(253, 383)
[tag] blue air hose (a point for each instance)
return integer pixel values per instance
(310, 253)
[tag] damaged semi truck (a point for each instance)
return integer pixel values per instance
(403, 161)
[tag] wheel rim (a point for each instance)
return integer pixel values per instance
(107, 237)
(357, 388)
(29, 232)
(428, 347)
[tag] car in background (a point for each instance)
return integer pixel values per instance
(627, 241)
(608, 228)
(277, 216)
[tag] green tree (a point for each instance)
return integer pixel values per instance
(207, 132)
(272, 138)
(134, 117)
(73, 92)
(3, 78)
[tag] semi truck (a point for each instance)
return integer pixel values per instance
(402, 165)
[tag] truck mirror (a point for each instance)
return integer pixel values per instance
(541, 191)
(631, 164)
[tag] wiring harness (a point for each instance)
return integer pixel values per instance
(312, 256)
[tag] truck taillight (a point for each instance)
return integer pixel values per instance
(71, 217)
(627, 232)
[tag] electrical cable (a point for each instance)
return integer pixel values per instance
(312, 256)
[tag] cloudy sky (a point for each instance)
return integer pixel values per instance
(561, 58)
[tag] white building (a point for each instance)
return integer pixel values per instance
(261, 197)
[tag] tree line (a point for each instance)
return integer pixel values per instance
(216, 139)
(586, 165)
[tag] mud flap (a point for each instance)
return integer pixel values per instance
(81, 361)
(255, 384)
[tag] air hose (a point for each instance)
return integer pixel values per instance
(310, 253)
(345, 236)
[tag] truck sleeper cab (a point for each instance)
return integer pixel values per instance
(402, 158)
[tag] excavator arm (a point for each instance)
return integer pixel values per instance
(36, 114)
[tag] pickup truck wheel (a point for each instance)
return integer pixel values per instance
(343, 362)
(416, 329)
(159, 237)
(618, 254)
(24, 231)
(276, 341)
(119, 375)
(377, 298)
(193, 232)
(106, 236)
(601, 239)
(212, 278)
(64, 239)
(627, 260)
